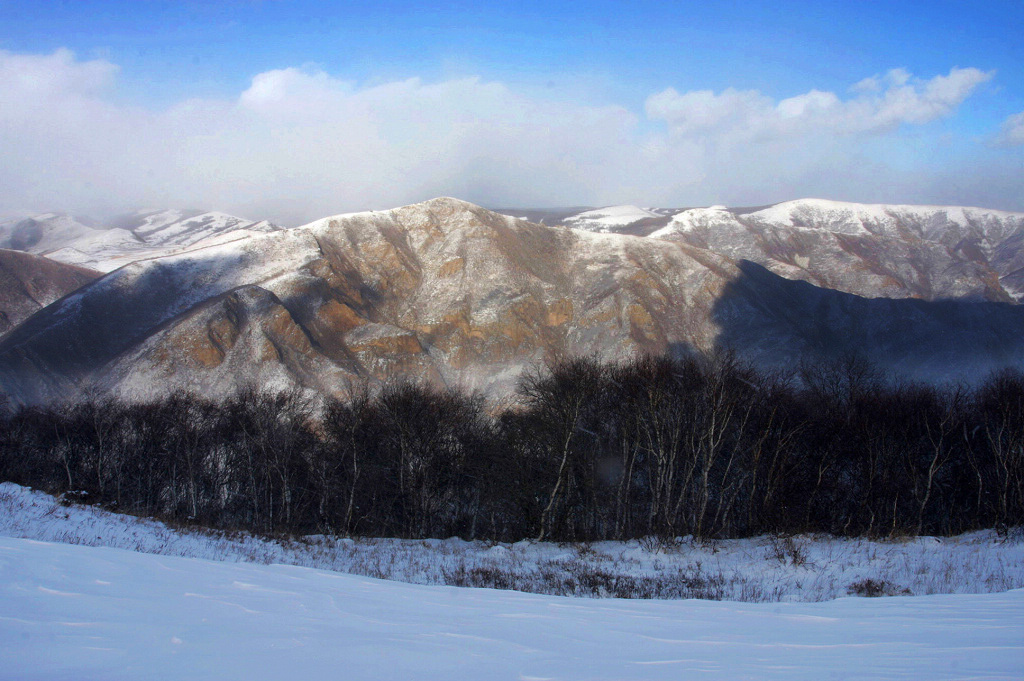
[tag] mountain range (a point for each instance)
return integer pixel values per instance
(125, 239)
(460, 295)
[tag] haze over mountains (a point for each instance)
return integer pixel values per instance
(457, 294)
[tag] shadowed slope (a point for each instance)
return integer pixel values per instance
(778, 322)
(30, 282)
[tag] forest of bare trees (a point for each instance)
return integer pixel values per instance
(661, 447)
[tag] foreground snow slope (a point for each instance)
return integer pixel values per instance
(758, 569)
(75, 612)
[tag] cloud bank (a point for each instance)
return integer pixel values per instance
(881, 105)
(299, 144)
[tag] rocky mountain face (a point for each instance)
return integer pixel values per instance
(146, 234)
(29, 283)
(454, 293)
(876, 251)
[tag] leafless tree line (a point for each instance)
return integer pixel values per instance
(702, 446)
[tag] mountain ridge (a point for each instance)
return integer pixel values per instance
(140, 235)
(454, 293)
(872, 250)
(29, 283)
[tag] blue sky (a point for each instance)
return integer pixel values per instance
(598, 66)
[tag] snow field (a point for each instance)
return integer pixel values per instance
(76, 606)
(75, 612)
(760, 569)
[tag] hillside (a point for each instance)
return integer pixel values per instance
(872, 250)
(141, 235)
(29, 283)
(454, 293)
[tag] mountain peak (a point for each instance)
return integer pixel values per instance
(442, 214)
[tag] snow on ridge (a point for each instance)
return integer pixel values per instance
(143, 235)
(694, 218)
(620, 211)
(152, 220)
(859, 219)
(784, 212)
(322, 223)
(45, 232)
(192, 228)
(424, 207)
(604, 219)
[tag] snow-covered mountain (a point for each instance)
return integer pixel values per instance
(872, 250)
(620, 220)
(141, 235)
(170, 228)
(43, 233)
(458, 294)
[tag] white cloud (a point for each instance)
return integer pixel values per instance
(702, 111)
(54, 75)
(880, 105)
(299, 143)
(1011, 133)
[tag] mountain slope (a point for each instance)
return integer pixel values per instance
(620, 220)
(29, 282)
(42, 233)
(892, 251)
(147, 234)
(458, 294)
(442, 289)
(170, 228)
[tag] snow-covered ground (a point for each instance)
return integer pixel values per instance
(761, 569)
(75, 612)
(75, 604)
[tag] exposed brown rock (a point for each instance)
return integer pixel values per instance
(452, 267)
